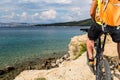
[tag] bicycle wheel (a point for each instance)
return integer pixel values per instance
(103, 70)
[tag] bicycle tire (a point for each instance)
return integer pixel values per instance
(103, 70)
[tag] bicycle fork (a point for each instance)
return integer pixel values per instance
(99, 56)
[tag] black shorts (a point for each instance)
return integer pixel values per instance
(96, 30)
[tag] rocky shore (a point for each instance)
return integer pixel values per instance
(10, 72)
(69, 70)
(66, 67)
(75, 68)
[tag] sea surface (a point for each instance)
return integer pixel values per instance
(20, 44)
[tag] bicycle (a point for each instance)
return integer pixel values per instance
(101, 68)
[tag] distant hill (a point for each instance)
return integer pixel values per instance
(15, 24)
(86, 22)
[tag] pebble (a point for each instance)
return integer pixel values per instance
(2, 72)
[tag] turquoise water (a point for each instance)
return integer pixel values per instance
(19, 44)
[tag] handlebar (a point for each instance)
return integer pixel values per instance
(84, 29)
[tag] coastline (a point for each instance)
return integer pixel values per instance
(74, 69)
(68, 67)
(10, 72)
(28, 43)
(57, 45)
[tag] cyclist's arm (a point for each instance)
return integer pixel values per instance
(93, 9)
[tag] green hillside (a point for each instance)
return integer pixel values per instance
(86, 22)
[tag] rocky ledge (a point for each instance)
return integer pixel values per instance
(10, 72)
(72, 68)
(69, 70)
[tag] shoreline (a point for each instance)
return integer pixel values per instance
(10, 72)
(75, 69)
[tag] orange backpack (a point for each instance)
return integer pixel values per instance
(110, 12)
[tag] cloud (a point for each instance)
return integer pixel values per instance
(35, 15)
(23, 16)
(76, 11)
(67, 18)
(9, 16)
(13, 15)
(27, 1)
(44, 11)
(59, 1)
(48, 15)
(5, 1)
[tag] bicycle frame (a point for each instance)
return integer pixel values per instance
(100, 47)
(101, 61)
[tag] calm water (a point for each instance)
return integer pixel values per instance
(19, 44)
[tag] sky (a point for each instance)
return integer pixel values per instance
(43, 11)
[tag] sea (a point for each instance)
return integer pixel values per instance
(18, 44)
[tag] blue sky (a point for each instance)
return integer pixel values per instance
(43, 11)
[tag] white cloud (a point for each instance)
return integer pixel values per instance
(35, 15)
(59, 1)
(47, 15)
(24, 16)
(9, 16)
(13, 15)
(34, 1)
(44, 10)
(67, 18)
(76, 10)
(5, 1)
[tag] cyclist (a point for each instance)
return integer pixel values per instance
(95, 31)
